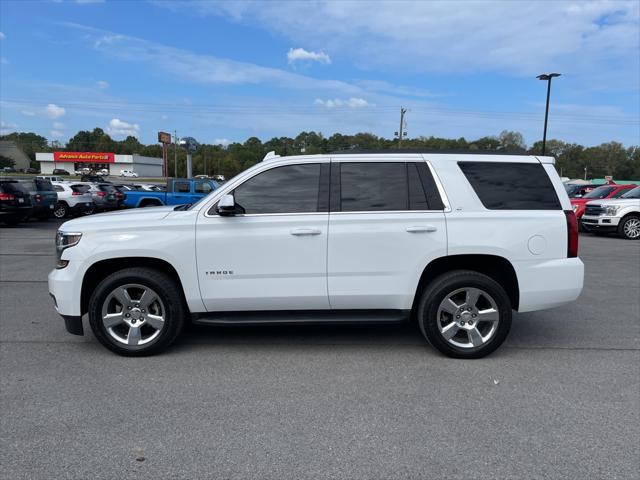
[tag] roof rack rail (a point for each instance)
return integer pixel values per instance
(434, 151)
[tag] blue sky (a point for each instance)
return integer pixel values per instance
(224, 71)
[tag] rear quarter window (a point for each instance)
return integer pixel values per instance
(511, 186)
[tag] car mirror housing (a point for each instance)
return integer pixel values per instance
(227, 205)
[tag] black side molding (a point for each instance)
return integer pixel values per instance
(314, 317)
(73, 324)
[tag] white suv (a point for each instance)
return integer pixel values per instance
(453, 242)
(617, 215)
(73, 199)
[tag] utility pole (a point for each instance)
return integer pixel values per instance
(175, 153)
(546, 77)
(400, 133)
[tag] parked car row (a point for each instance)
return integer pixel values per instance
(26, 197)
(620, 215)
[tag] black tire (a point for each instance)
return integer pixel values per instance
(169, 292)
(625, 222)
(443, 286)
(61, 210)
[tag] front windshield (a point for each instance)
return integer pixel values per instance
(633, 193)
(600, 192)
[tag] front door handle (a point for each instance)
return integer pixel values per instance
(305, 231)
(422, 229)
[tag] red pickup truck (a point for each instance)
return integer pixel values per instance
(604, 191)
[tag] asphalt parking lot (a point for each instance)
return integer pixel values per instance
(560, 399)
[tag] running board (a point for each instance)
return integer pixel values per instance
(318, 317)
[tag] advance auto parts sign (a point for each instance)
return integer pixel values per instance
(87, 157)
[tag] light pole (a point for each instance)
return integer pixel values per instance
(190, 144)
(547, 77)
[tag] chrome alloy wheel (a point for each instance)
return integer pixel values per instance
(632, 228)
(133, 314)
(468, 318)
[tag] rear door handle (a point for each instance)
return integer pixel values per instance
(422, 229)
(305, 231)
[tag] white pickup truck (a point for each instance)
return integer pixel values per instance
(451, 242)
(617, 215)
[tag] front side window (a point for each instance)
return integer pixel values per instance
(203, 187)
(287, 189)
(182, 187)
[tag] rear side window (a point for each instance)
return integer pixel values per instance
(511, 186)
(620, 192)
(383, 186)
(58, 188)
(13, 187)
(80, 188)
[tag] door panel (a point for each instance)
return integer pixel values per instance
(375, 259)
(270, 262)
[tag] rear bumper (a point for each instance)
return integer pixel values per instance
(81, 207)
(550, 283)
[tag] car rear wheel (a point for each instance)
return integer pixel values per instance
(61, 210)
(629, 227)
(465, 314)
(137, 311)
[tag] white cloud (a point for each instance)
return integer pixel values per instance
(102, 85)
(522, 38)
(298, 54)
(58, 125)
(54, 111)
(222, 141)
(119, 127)
(56, 134)
(2, 36)
(28, 113)
(351, 103)
(6, 128)
(204, 69)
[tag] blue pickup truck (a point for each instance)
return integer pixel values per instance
(179, 191)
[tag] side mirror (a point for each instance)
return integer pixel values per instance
(226, 205)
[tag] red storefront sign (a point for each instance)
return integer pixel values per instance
(85, 157)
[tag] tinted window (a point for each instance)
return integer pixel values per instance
(633, 193)
(288, 189)
(58, 188)
(80, 188)
(417, 196)
(600, 192)
(43, 185)
(620, 192)
(373, 186)
(203, 187)
(181, 187)
(13, 187)
(511, 186)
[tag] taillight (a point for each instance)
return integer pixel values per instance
(6, 196)
(572, 234)
(101, 194)
(76, 193)
(38, 198)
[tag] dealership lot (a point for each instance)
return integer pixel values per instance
(561, 398)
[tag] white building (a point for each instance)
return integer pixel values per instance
(75, 161)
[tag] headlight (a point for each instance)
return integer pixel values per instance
(65, 240)
(611, 209)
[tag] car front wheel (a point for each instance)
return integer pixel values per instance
(137, 311)
(465, 314)
(629, 227)
(61, 210)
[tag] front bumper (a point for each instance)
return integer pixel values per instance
(601, 222)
